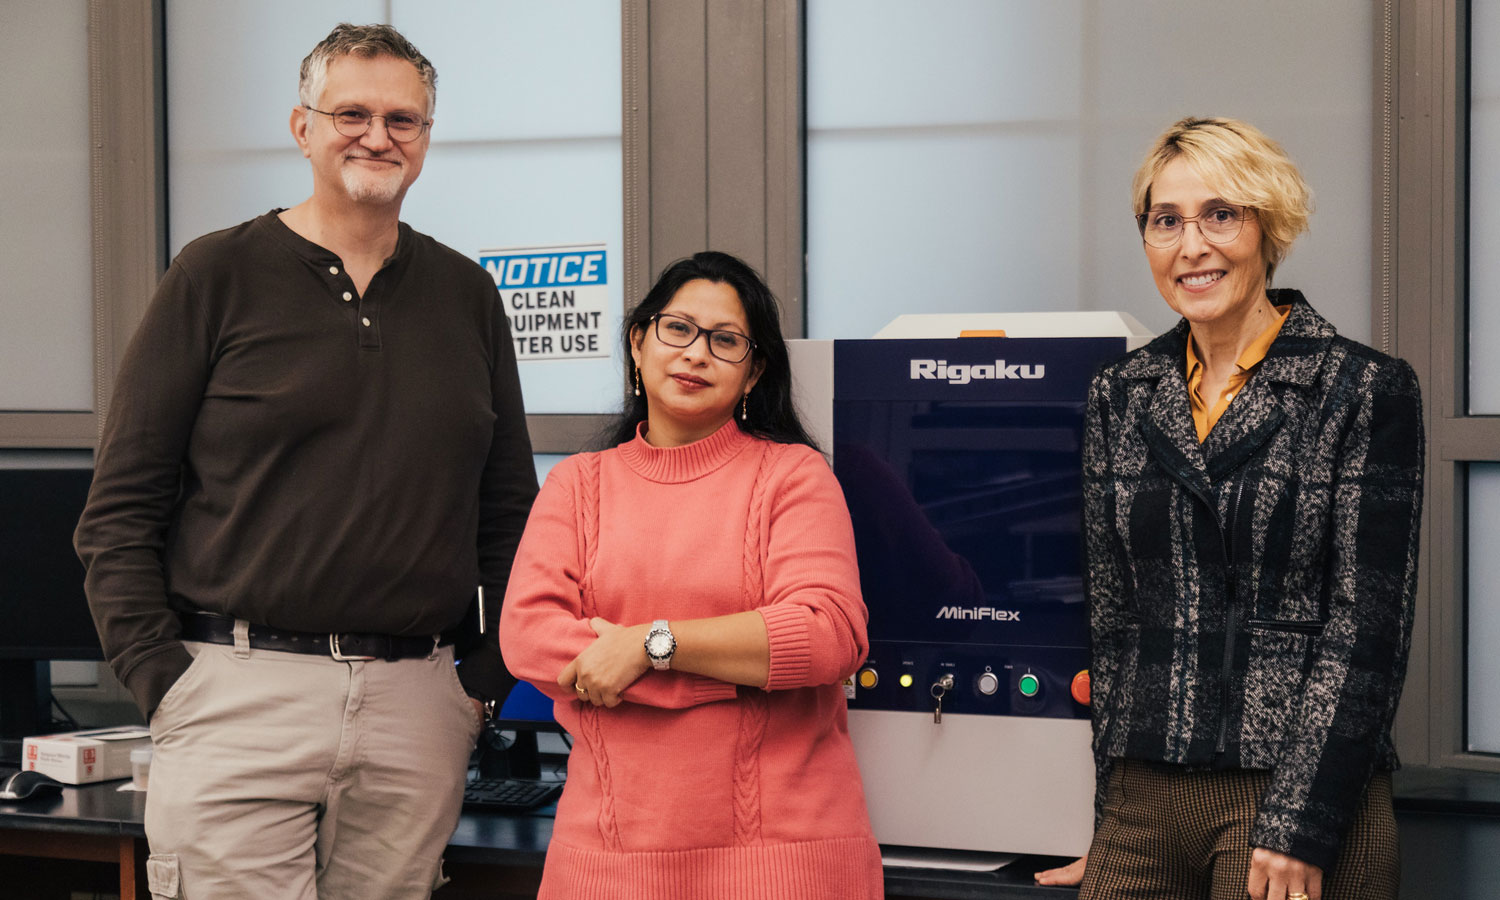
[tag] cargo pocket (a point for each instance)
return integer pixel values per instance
(161, 876)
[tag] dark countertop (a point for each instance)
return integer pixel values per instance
(500, 839)
(1421, 789)
(100, 809)
(1014, 882)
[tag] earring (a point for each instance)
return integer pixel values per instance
(637, 381)
(745, 408)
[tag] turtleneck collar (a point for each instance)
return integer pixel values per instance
(674, 465)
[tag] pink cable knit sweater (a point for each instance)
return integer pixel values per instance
(694, 788)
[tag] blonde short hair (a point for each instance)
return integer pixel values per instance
(1245, 167)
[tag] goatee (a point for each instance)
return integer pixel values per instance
(371, 186)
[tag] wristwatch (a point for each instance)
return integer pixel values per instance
(660, 645)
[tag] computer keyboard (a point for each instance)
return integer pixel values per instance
(513, 795)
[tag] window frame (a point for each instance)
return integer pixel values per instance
(679, 57)
(1430, 323)
(128, 233)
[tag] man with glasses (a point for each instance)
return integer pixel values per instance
(315, 455)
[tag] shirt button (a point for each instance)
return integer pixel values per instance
(333, 270)
(348, 296)
(366, 321)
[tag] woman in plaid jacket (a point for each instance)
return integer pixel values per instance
(1252, 493)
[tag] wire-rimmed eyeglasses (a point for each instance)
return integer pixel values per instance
(1219, 224)
(352, 121)
(675, 331)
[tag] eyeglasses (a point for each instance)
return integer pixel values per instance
(675, 331)
(351, 121)
(1219, 224)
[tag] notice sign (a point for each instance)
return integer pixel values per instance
(556, 298)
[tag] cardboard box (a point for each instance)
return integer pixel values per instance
(79, 757)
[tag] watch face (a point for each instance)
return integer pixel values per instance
(659, 644)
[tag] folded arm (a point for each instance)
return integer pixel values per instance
(731, 649)
(544, 628)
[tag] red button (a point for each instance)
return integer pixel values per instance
(1081, 687)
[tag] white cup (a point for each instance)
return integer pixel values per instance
(140, 767)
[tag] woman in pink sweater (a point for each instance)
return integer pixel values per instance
(691, 601)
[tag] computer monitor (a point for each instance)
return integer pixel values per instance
(528, 708)
(44, 612)
(526, 712)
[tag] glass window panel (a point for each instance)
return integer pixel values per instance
(231, 87)
(1483, 555)
(1484, 208)
(544, 463)
(525, 148)
(519, 70)
(46, 306)
(980, 158)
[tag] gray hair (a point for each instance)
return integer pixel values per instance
(365, 42)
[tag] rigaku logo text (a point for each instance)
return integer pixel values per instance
(939, 370)
(979, 612)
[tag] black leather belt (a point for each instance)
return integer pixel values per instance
(347, 645)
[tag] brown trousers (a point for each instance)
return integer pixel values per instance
(1172, 833)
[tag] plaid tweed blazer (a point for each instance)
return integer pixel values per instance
(1251, 597)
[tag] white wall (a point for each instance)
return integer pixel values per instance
(1483, 552)
(980, 159)
(46, 265)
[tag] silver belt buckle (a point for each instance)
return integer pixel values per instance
(333, 649)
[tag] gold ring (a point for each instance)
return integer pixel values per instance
(580, 689)
(1297, 895)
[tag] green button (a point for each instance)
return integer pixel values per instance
(1029, 685)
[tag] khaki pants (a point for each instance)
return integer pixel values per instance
(285, 775)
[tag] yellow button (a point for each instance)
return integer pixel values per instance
(906, 680)
(868, 678)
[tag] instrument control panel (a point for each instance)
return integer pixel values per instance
(983, 680)
(961, 464)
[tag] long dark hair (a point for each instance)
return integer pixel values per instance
(771, 413)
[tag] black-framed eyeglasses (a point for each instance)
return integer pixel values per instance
(1220, 224)
(352, 121)
(675, 331)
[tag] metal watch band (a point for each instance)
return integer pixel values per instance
(661, 662)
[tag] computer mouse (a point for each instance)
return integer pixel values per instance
(20, 785)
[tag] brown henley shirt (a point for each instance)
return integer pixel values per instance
(283, 450)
